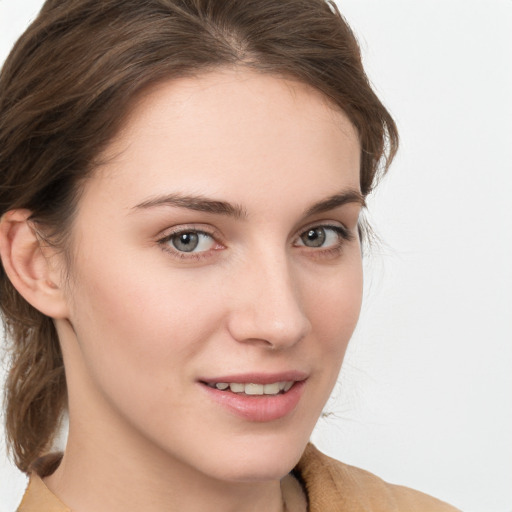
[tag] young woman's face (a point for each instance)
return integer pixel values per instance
(217, 248)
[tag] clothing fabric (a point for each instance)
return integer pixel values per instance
(330, 486)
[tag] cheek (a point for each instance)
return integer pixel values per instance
(334, 306)
(135, 324)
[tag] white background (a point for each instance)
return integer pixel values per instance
(425, 398)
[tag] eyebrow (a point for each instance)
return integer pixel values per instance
(197, 203)
(335, 201)
(204, 204)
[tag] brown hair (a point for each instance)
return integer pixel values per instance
(63, 92)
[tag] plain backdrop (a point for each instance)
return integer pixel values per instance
(425, 397)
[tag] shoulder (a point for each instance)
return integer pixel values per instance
(332, 486)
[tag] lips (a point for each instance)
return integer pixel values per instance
(257, 397)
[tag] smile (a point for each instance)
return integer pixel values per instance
(256, 402)
(274, 388)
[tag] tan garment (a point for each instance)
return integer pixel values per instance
(330, 485)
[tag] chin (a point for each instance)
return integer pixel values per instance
(258, 458)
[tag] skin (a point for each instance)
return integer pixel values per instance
(142, 322)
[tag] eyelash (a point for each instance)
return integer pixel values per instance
(190, 256)
(343, 234)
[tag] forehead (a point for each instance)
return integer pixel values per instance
(240, 83)
(231, 128)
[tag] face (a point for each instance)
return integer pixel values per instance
(216, 274)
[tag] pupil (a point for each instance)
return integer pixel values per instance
(186, 242)
(314, 237)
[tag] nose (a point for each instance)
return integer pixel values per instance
(266, 306)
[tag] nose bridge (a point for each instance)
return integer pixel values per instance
(268, 304)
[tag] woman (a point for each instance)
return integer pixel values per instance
(182, 184)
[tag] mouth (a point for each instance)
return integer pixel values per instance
(253, 389)
(257, 397)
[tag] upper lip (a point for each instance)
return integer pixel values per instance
(257, 377)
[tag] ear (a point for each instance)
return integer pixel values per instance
(32, 268)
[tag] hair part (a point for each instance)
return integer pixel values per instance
(65, 90)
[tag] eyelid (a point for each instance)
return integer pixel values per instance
(186, 228)
(203, 229)
(345, 235)
(330, 252)
(339, 227)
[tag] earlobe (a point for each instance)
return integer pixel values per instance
(30, 266)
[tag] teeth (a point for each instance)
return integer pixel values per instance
(271, 389)
(255, 389)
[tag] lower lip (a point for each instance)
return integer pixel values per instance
(258, 408)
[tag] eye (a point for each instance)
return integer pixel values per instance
(190, 241)
(323, 237)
